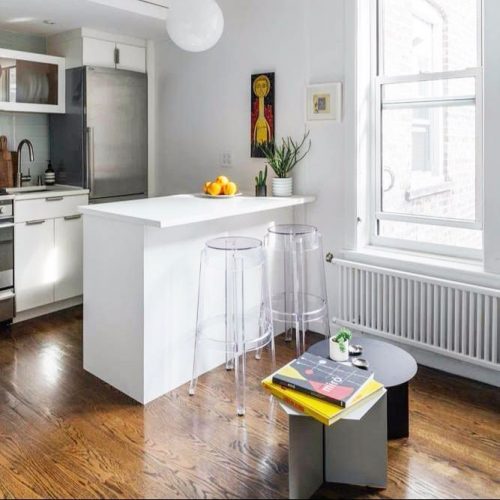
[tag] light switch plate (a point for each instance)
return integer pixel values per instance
(226, 159)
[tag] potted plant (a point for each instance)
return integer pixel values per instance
(283, 158)
(261, 183)
(339, 345)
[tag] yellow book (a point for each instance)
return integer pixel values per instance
(324, 412)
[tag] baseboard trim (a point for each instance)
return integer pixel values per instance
(445, 364)
(48, 309)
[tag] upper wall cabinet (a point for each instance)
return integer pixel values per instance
(32, 83)
(87, 47)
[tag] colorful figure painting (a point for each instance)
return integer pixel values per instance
(262, 112)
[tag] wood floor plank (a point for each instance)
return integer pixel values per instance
(64, 433)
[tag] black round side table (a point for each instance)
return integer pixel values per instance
(392, 367)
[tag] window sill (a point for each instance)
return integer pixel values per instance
(452, 269)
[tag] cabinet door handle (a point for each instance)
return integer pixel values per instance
(117, 56)
(55, 198)
(73, 217)
(35, 222)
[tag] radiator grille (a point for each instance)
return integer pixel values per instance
(448, 317)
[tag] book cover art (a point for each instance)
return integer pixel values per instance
(323, 378)
(325, 412)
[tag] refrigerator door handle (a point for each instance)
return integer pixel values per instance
(90, 158)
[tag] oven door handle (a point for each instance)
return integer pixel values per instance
(6, 225)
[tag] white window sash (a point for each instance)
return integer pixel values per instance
(378, 82)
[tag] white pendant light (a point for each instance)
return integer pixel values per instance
(195, 25)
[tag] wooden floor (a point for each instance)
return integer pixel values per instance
(63, 433)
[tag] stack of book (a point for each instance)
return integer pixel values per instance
(321, 388)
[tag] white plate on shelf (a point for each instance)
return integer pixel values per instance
(220, 196)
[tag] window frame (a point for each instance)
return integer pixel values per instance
(376, 183)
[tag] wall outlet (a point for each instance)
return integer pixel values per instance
(226, 159)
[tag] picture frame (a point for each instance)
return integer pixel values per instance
(324, 102)
(262, 112)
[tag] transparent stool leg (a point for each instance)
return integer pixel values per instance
(238, 321)
(326, 325)
(273, 353)
(302, 286)
(297, 337)
(240, 379)
(288, 305)
(194, 378)
(303, 328)
(199, 318)
(229, 310)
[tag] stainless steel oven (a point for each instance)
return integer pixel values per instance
(7, 295)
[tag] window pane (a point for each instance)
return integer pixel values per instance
(436, 89)
(429, 163)
(438, 235)
(428, 36)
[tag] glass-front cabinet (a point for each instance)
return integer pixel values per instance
(31, 82)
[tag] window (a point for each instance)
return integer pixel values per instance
(428, 91)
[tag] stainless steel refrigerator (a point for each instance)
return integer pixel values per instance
(101, 143)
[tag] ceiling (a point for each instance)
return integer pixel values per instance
(139, 18)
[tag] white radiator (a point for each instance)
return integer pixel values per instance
(454, 319)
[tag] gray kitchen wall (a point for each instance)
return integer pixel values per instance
(32, 126)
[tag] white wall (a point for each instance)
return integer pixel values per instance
(203, 102)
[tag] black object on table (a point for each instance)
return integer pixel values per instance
(394, 368)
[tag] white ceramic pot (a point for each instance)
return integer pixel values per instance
(283, 187)
(336, 354)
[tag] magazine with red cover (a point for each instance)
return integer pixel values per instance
(322, 378)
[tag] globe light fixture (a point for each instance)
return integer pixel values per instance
(195, 25)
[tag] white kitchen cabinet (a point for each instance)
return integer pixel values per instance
(48, 248)
(33, 83)
(68, 237)
(98, 53)
(35, 270)
(131, 57)
(88, 47)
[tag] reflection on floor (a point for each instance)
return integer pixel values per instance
(63, 433)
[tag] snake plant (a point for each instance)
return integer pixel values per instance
(284, 157)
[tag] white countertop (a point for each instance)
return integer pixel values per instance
(171, 211)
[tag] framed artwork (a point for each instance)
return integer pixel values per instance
(324, 102)
(262, 112)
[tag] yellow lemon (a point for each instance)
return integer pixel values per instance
(230, 189)
(222, 180)
(214, 189)
(205, 186)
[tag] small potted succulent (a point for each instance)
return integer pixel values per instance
(339, 345)
(283, 159)
(261, 183)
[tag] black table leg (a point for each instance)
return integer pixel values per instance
(398, 412)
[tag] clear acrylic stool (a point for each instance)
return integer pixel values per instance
(298, 283)
(234, 307)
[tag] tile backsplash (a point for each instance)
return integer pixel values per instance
(32, 126)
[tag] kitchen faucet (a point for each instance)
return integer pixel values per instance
(20, 177)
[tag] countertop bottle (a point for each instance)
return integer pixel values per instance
(50, 175)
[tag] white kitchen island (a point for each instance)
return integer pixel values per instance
(141, 263)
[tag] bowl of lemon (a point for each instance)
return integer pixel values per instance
(221, 187)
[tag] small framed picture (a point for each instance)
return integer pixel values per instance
(324, 102)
